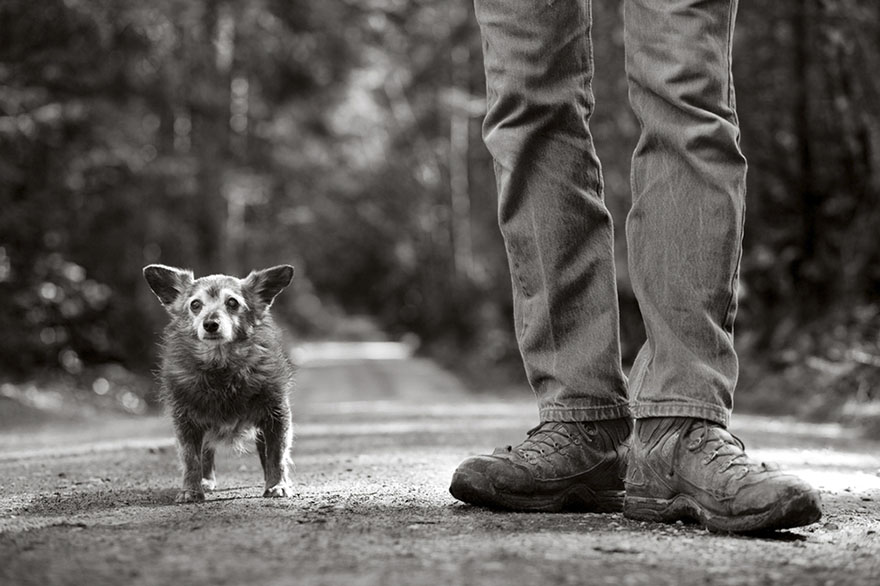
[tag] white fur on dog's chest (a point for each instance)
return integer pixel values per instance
(235, 433)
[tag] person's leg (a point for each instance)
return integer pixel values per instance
(685, 240)
(685, 227)
(558, 235)
(556, 228)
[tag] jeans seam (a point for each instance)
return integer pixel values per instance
(624, 404)
(590, 64)
(730, 19)
(680, 409)
(595, 413)
(728, 319)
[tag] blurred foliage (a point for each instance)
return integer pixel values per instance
(810, 115)
(344, 137)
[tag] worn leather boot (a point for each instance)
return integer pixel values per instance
(560, 465)
(692, 469)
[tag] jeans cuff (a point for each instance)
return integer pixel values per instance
(713, 413)
(598, 413)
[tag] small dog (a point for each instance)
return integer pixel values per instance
(225, 372)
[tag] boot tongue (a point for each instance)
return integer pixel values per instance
(653, 429)
(547, 425)
(717, 439)
(712, 432)
(697, 429)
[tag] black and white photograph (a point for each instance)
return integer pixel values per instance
(459, 292)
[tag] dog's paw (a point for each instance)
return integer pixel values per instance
(208, 484)
(190, 496)
(279, 491)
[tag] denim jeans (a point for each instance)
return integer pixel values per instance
(684, 231)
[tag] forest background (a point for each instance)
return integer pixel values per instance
(344, 137)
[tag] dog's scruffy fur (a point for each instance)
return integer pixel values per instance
(225, 372)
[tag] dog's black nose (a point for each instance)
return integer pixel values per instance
(212, 326)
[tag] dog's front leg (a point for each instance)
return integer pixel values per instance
(189, 446)
(261, 451)
(277, 435)
(209, 478)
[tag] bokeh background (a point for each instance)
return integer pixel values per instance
(344, 137)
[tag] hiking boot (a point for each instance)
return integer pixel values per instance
(692, 469)
(560, 465)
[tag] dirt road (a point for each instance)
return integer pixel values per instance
(378, 436)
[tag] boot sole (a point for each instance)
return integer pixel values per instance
(802, 509)
(476, 489)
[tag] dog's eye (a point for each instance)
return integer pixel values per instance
(195, 305)
(232, 304)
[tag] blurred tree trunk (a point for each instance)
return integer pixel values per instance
(851, 28)
(209, 102)
(805, 267)
(459, 144)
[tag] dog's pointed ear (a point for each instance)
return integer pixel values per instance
(265, 285)
(167, 282)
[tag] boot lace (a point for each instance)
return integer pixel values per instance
(550, 437)
(725, 447)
